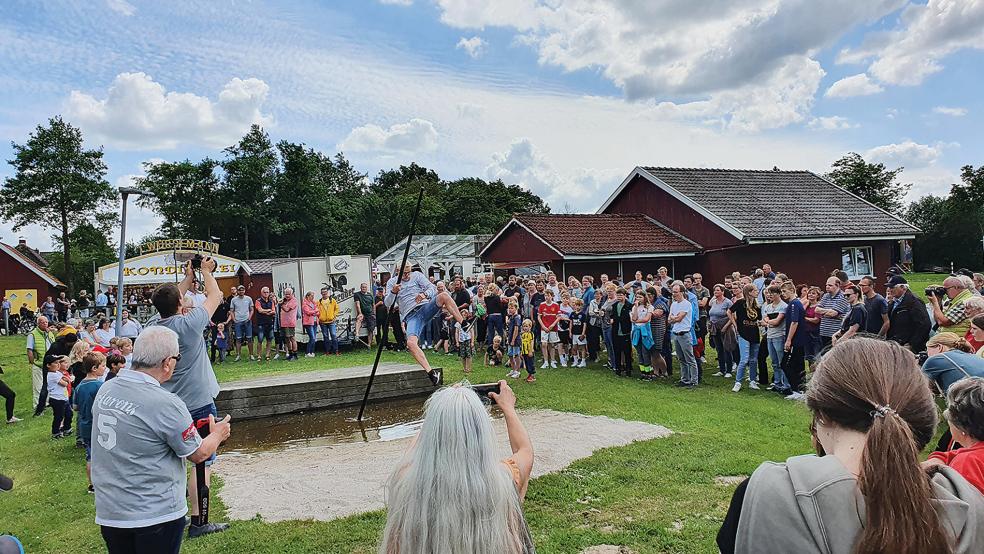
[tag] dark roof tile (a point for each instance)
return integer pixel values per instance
(585, 234)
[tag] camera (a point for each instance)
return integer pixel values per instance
(484, 389)
(936, 290)
(922, 357)
(196, 261)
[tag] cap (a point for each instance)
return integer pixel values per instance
(51, 358)
(896, 280)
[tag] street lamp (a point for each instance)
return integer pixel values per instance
(125, 191)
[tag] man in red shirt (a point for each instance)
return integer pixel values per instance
(548, 314)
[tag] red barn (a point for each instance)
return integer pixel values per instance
(21, 273)
(713, 221)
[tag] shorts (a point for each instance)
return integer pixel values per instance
(465, 350)
(243, 329)
(549, 337)
(513, 351)
(264, 331)
(289, 332)
(579, 340)
(565, 337)
(203, 413)
(420, 317)
(369, 322)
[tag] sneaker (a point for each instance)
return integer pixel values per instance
(553, 364)
(91, 490)
(772, 386)
(737, 386)
(253, 359)
(563, 360)
(753, 385)
(14, 420)
(728, 375)
(514, 374)
(277, 356)
(531, 379)
(680, 384)
(6, 483)
(583, 363)
(718, 374)
(545, 364)
(56, 435)
(67, 432)
(435, 377)
(796, 396)
(195, 531)
(237, 359)
(309, 355)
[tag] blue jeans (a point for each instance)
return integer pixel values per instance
(776, 349)
(749, 356)
(330, 337)
(493, 326)
(312, 334)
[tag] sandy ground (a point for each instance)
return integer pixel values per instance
(328, 482)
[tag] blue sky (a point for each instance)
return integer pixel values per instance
(562, 96)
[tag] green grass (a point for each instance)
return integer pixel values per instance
(653, 496)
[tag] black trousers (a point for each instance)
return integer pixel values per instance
(594, 335)
(63, 416)
(399, 338)
(8, 396)
(623, 353)
(763, 362)
(795, 367)
(163, 538)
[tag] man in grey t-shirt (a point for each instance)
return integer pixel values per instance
(194, 381)
(142, 433)
(240, 312)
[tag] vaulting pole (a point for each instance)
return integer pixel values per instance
(389, 312)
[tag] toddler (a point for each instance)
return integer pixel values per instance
(526, 348)
(466, 340)
(221, 342)
(494, 353)
(59, 384)
(514, 324)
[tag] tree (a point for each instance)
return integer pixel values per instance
(251, 167)
(89, 249)
(952, 226)
(872, 182)
(186, 196)
(58, 184)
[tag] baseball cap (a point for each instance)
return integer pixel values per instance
(51, 358)
(896, 280)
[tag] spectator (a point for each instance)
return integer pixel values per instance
(950, 314)
(621, 323)
(220, 317)
(974, 307)
(8, 398)
(832, 308)
(129, 327)
(62, 306)
(965, 416)
(979, 282)
(190, 378)
(681, 320)
(241, 308)
(610, 299)
(5, 315)
(82, 303)
(774, 326)
(745, 315)
(908, 322)
(796, 339)
(48, 309)
(703, 305)
(663, 277)
(104, 332)
(642, 334)
(950, 360)
(39, 340)
(855, 320)
(872, 415)
(548, 315)
(876, 308)
(722, 330)
(101, 301)
(138, 455)
(93, 369)
(288, 322)
(88, 333)
(59, 384)
(220, 342)
(466, 340)
(977, 328)
(596, 318)
(366, 316)
(494, 307)
(659, 329)
(265, 309)
(309, 319)
(327, 312)
(474, 504)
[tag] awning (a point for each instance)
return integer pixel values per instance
(161, 267)
(517, 265)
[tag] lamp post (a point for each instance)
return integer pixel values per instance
(125, 191)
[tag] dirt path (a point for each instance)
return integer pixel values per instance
(328, 482)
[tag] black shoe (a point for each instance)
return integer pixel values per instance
(195, 531)
(38, 414)
(91, 490)
(6, 483)
(680, 384)
(66, 432)
(435, 377)
(56, 435)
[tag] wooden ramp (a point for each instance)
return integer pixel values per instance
(283, 394)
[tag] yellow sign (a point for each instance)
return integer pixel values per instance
(18, 297)
(179, 244)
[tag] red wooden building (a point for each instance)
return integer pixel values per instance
(23, 278)
(714, 221)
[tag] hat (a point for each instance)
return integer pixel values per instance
(896, 280)
(51, 358)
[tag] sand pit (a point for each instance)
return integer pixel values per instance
(332, 481)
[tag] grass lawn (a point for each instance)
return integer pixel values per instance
(653, 496)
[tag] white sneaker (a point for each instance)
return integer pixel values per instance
(583, 363)
(728, 375)
(514, 374)
(796, 396)
(563, 360)
(276, 356)
(14, 420)
(553, 364)
(718, 374)
(545, 364)
(253, 358)
(237, 359)
(309, 355)
(737, 386)
(753, 385)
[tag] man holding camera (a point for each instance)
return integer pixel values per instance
(193, 380)
(950, 313)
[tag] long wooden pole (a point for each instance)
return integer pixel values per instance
(392, 308)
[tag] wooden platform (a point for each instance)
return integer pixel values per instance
(284, 394)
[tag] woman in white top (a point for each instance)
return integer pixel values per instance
(103, 334)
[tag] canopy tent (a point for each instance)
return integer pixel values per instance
(163, 267)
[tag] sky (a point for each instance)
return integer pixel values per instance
(564, 97)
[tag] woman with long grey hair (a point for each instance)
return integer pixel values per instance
(452, 492)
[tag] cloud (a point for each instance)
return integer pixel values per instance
(855, 85)
(953, 112)
(121, 7)
(397, 2)
(833, 123)
(473, 46)
(414, 136)
(926, 34)
(906, 153)
(467, 110)
(139, 114)
(570, 191)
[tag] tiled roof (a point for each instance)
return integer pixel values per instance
(16, 254)
(574, 234)
(781, 204)
(264, 265)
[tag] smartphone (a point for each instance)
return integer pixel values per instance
(484, 389)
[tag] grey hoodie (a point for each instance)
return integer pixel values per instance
(813, 504)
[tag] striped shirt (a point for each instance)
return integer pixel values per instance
(830, 325)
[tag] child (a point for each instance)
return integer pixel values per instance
(59, 387)
(115, 363)
(221, 343)
(126, 350)
(94, 365)
(964, 415)
(548, 314)
(564, 328)
(514, 323)
(443, 332)
(494, 353)
(466, 340)
(579, 340)
(526, 349)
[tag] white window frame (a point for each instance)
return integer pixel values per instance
(853, 274)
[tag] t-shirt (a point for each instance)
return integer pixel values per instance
(747, 320)
(268, 304)
(577, 323)
(142, 433)
(830, 325)
(796, 314)
(193, 380)
(464, 330)
(687, 322)
(526, 345)
(857, 316)
(702, 293)
(85, 395)
(494, 353)
(221, 314)
(513, 324)
(565, 321)
(363, 302)
(462, 298)
(549, 314)
(718, 311)
(239, 305)
(772, 311)
(876, 307)
(493, 304)
(55, 390)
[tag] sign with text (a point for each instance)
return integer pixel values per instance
(162, 267)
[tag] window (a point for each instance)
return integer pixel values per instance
(857, 261)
